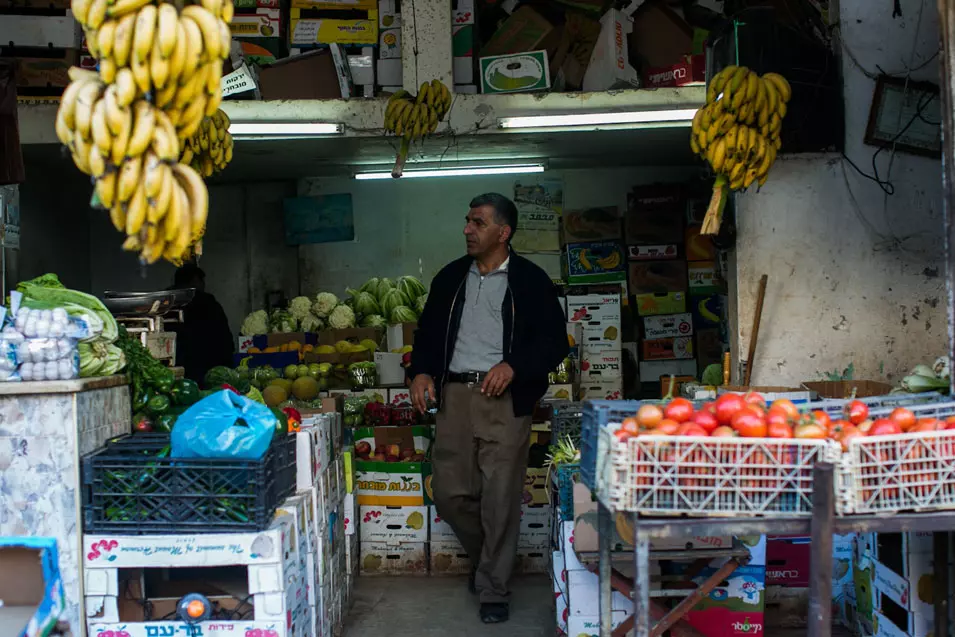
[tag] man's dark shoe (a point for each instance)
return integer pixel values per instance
(494, 613)
(472, 588)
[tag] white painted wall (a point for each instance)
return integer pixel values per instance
(415, 226)
(853, 277)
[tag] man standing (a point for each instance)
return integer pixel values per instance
(490, 333)
(203, 339)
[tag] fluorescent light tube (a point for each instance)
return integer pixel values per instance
(672, 117)
(457, 172)
(284, 129)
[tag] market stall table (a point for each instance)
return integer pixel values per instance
(821, 526)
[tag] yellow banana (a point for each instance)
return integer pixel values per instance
(86, 99)
(782, 109)
(98, 128)
(145, 31)
(158, 67)
(191, 118)
(167, 29)
(104, 38)
(96, 15)
(212, 103)
(164, 197)
(719, 155)
(140, 69)
(123, 40)
(130, 173)
(423, 93)
(772, 96)
(96, 162)
(115, 114)
(121, 140)
(781, 84)
(208, 26)
(152, 174)
(172, 215)
(132, 244)
(136, 210)
(752, 87)
(154, 212)
(737, 171)
(212, 6)
(107, 70)
(697, 121)
(225, 39)
(739, 77)
(80, 9)
(165, 141)
(228, 12)
(122, 8)
(118, 216)
(125, 87)
(144, 116)
(195, 189)
(729, 140)
(739, 94)
(193, 50)
(178, 57)
(106, 188)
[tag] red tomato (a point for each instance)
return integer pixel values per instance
(777, 416)
(849, 433)
(950, 422)
(690, 429)
(710, 407)
(631, 425)
(726, 407)
(649, 416)
(927, 424)
(750, 423)
(679, 409)
(623, 435)
(778, 429)
(865, 426)
(904, 417)
(754, 398)
(857, 412)
(706, 419)
(809, 430)
(787, 406)
(666, 427)
(723, 431)
(885, 427)
(821, 418)
(837, 427)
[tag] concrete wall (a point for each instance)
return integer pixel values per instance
(854, 277)
(415, 226)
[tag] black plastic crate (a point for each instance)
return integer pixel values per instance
(132, 486)
(565, 421)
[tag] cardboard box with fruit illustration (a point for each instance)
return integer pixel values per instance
(449, 558)
(611, 389)
(515, 73)
(393, 483)
(652, 277)
(535, 525)
(591, 224)
(594, 262)
(560, 392)
(306, 31)
(260, 35)
(599, 315)
(535, 486)
(539, 207)
(668, 326)
(152, 629)
(655, 303)
(441, 531)
(667, 348)
(393, 524)
(903, 587)
(600, 363)
(381, 558)
(392, 444)
(703, 278)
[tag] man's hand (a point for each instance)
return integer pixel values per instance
(497, 380)
(421, 384)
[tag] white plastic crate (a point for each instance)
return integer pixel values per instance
(702, 476)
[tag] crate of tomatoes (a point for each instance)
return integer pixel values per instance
(735, 456)
(897, 459)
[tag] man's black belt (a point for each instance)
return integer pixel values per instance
(468, 378)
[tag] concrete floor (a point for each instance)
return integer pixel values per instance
(442, 606)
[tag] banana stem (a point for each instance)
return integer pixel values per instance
(714, 212)
(399, 168)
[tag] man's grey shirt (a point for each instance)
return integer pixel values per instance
(480, 343)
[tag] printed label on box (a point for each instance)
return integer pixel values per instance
(394, 524)
(407, 558)
(653, 253)
(601, 363)
(535, 526)
(440, 530)
(599, 315)
(668, 326)
(449, 558)
(152, 629)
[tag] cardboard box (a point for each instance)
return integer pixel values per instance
(667, 348)
(690, 70)
(449, 558)
(310, 32)
(389, 44)
(787, 562)
(667, 326)
(60, 32)
(591, 224)
(902, 582)
(734, 608)
(653, 253)
(550, 263)
(260, 35)
(660, 37)
(408, 558)
(673, 385)
(350, 513)
(602, 389)
(655, 214)
(609, 67)
(388, 15)
(651, 277)
(840, 389)
(462, 12)
(539, 208)
(698, 247)
(597, 262)
(653, 371)
(600, 364)
(599, 314)
(310, 76)
(535, 525)
(560, 392)
(703, 278)
(583, 595)
(590, 625)
(522, 31)
(399, 398)
(462, 50)
(362, 67)
(390, 525)
(339, 5)
(440, 530)
(389, 73)
(707, 310)
(532, 561)
(390, 371)
(400, 335)
(656, 303)
(44, 72)
(393, 483)
(515, 73)
(400, 440)
(30, 585)
(535, 486)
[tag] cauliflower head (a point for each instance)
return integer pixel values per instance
(300, 307)
(341, 318)
(311, 323)
(255, 323)
(325, 302)
(282, 322)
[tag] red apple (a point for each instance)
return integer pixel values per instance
(407, 453)
(362, 448)
(378, 457)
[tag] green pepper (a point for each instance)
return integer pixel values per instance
(281, 422)
(165, 422)
(163, 383)
(158, 405)
(185, 392)
(141, 399)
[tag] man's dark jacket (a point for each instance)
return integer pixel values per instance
(535, 333)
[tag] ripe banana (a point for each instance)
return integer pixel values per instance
(198, 196)
(106, 189)
(145, 31)
(123, 40)
(144, 116)
(208, 25)
(136, 210)
(167, 29)
(130, 173)
(780, 84)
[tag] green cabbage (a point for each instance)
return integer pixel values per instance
(46, 292)
(419, 304)
(371, 286)
(374, 320)
(403, 314)
(341, 318)
(410, 287)
(365, 304)
(255, 323)
(393, 299)
(384, 287)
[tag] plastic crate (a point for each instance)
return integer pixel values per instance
(905, 472)
(597, 414)
(702, 476)
(565, 421)
(834, 407)
(132, 486)
(567, 475)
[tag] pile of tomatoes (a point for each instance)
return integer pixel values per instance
(748, 416)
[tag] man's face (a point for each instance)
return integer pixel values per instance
(482, 231)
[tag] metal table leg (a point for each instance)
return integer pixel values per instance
(820, 569)
(605, 537)
(641, 581)
(942, 586)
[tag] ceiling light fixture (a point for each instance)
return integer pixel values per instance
(591, 121)
(411, 173)
(276, 130)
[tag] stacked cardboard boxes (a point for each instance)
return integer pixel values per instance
(601, 353)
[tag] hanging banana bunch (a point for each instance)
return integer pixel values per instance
(738, 132)
(158, 79)
(209, 151)
(412, 117)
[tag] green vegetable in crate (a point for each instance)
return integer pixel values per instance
(184, 392)
(165, 422)
(281, 421)
(256, 395)
(158, 405)
(219, 376)
(374, 320)
(392, 300)
(46, 292)
(140, 399)
(142, 423)
(365, 303)
(411, 287)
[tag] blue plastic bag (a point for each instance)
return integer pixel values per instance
(224, 425)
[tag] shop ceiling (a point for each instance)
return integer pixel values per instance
(471, 135)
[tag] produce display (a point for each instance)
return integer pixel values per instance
(924, 378)
(157, 397)
(209, 151)
(737, 132)
(126, 125)
(412, 117)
